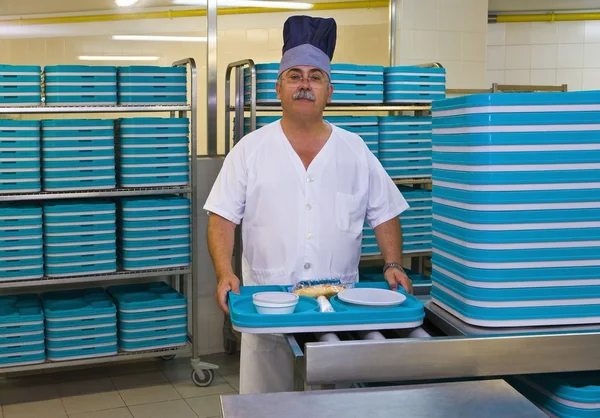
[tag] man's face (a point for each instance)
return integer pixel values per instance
(304, 90)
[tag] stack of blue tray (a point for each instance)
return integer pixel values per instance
(21, 242)
(152, 85)
(80, 85)
(516, 208)
(415, 222)
(21, 331)
(20, 85)
(405, 146)
(266, 78)
(19, 156)
(80, 324)
(154, 232)
(364, 126)
(414, 84)
(357, 84)
(152, 316)
(562, 395)
(80, 238)
(153, 152)
(78, 154)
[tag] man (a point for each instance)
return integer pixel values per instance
(304, 189)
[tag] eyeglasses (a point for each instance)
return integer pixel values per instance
(314, 80)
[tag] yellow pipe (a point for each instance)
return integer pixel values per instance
(547, 17)
(172, 14)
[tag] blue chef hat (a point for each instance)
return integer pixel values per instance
(308, 41)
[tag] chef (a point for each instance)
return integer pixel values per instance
(304, 189)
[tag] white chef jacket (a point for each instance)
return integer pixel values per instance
(302, 224)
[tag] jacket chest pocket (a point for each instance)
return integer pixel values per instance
(350, 212)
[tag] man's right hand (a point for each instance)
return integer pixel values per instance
(224, 285)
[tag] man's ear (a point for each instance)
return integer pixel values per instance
(330, 93)
(277, 88)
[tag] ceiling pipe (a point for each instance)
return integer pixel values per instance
(173, 14)
(542, 17)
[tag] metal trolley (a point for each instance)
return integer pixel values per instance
(185, 279)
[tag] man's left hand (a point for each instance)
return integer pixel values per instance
(395, 277)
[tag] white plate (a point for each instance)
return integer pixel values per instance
(371, 297)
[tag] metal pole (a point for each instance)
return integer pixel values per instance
(392, 39)
(211, 79)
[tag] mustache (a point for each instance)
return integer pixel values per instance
(304, 94)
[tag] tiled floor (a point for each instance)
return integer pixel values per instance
(154, 389)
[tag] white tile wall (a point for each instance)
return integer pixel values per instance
(452, 32)
(545, 54)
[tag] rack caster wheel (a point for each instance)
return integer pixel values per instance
(203, 380)
(168, 358)
(230, 346)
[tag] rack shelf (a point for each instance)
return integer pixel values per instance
(379, 257)
(413, 181)
(32, 110)
(142, 191)
(116, 276)
(409, 107)
(122, 356)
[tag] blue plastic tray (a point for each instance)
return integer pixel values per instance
(154, 206)
(19, 89)
(76, 303)
(150, 70)
(517, 197)
(403, 87)
(509, 316)
(82, 353)
(19, 186)
(573, 395)
(20, 338)
(84, 70)
(81, 268)
(154, 99)
(513, 273)
(144, 296)
(31, 99)
(153, 344)
(130, 245)
(155, 141)
(97, 183)
(17, 70)
(154, 232)
(29, 175)
(517, 177)
(165, 170)
(153, 333)
(20, 347)
(53, 154)
(413, 69)
(516, 138)
(55, 252)
(22, 359)
(409, 172)
(154, 151)
(82, 332)
(83, 89)
(149, 324)
(389, 160)
(157, 223)
(81, 173)
(151, 161)
(339, 78)
(345, 121)
(153, 180)
(424, 78)
(511, 158)
(20, 313)
(25, 128)
(160, 251)
(82, 99)
(65, 80)
(413, 97)
(156, 262)
(54, 344)
(307, 316)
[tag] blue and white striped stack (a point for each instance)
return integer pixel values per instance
(266, 78)
(414, 84)
(80, 324)
(356, 84)
(21, 331)
(21, 242)
(405, 146)
(152, 85)
(152, 316)
(20, 85)
(80, 238)
(364, 126)
(154, 232)
(562, 395)
(19, 156)
(153, 152)
(516, 206)
(415, 222)
(78, 154)
(80, 85)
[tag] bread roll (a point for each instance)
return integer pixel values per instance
(326, 290)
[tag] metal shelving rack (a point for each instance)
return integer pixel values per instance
(235, 70)
(202, 373)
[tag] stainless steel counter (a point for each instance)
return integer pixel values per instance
(489, 399)
(461, 351)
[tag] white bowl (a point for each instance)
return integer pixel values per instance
(275, 303)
